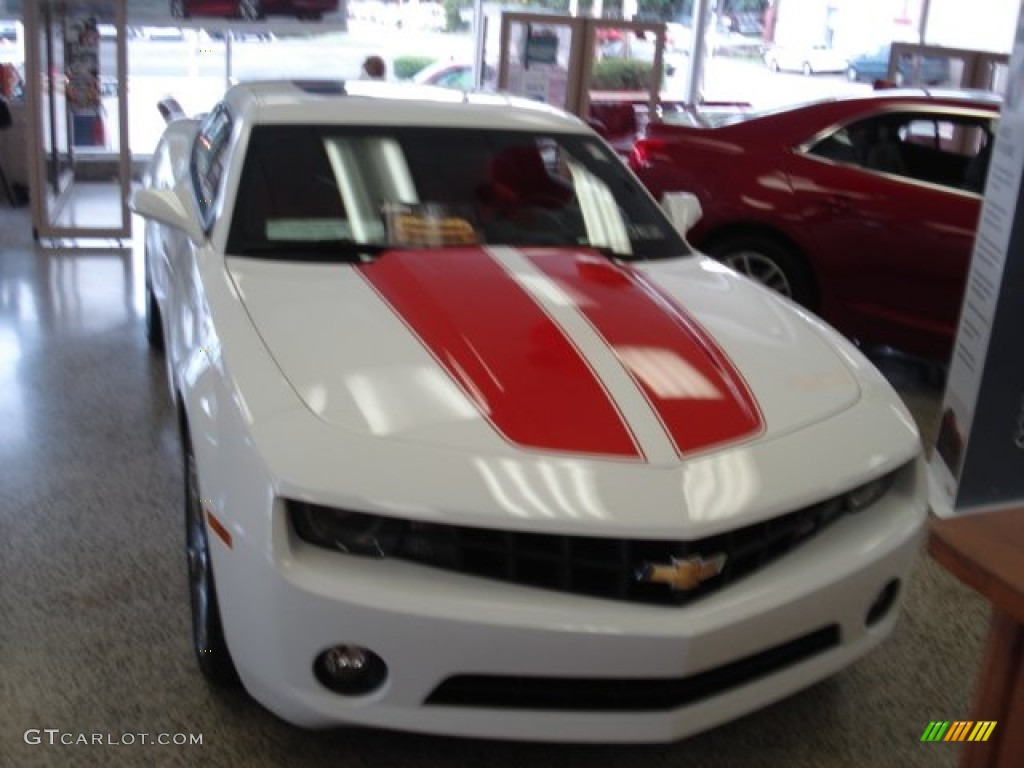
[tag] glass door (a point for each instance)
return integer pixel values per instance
(75, 61)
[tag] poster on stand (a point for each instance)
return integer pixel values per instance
(82, 62)
(538, 57)
(978, 461)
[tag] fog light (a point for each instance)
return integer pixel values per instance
(350, 669)
(880, 607)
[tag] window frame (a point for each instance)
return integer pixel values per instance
(216, 130)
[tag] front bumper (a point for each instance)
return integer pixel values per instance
(284, 607)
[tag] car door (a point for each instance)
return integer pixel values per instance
(894, 222)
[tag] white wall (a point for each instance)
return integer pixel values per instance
(860, 25)
(986, 25)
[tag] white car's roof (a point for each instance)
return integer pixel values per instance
(383, 103)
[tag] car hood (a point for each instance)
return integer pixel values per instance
(557, 351)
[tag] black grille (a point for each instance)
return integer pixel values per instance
(605, 567)
(588, 565)
(625, 695)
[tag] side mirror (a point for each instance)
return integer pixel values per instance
(167, 207)
(170, 109)
(683, 210)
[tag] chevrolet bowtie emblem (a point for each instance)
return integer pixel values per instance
(686, 573)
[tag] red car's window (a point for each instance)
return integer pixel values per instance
(950, 150)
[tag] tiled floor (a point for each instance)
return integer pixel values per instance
(94, 632)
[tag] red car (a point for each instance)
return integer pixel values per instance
(253, 9)
(861, 209)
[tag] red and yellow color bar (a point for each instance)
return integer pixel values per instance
(958, 730)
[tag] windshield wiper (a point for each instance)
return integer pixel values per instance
(313, 250)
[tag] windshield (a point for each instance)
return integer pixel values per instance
(358, 190)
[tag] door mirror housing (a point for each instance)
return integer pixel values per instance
(683, 210)
(167, 207)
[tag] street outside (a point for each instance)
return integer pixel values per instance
(191, 67)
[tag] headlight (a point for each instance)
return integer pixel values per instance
(864, 496)
(353, 532)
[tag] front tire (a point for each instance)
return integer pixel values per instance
(178, 9)
(211, 651)
(154, 323)
(769, 262)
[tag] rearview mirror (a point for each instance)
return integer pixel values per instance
(167, 207)
(683, 210)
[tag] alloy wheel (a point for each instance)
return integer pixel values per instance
(198, 554)
(762, 269)
(211, 650)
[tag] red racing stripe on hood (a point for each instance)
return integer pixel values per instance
(499, 345)
(699, 396)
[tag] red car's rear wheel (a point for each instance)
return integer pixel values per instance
(769, 262)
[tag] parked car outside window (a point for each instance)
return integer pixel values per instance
(808, 60)
(874, 65)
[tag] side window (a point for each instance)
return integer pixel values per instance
(978, 142)
(948, 150)
(837, 146)
(881, 148)
(208, 153)
(923, 132)
(872, 143)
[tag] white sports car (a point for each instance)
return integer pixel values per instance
(475, 444)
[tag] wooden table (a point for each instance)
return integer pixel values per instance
(986, 552)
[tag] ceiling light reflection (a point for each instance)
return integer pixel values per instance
(719, 487)
(547, 489)
(544, 290)
(393, 402)
(12, 405)
(667, 374)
